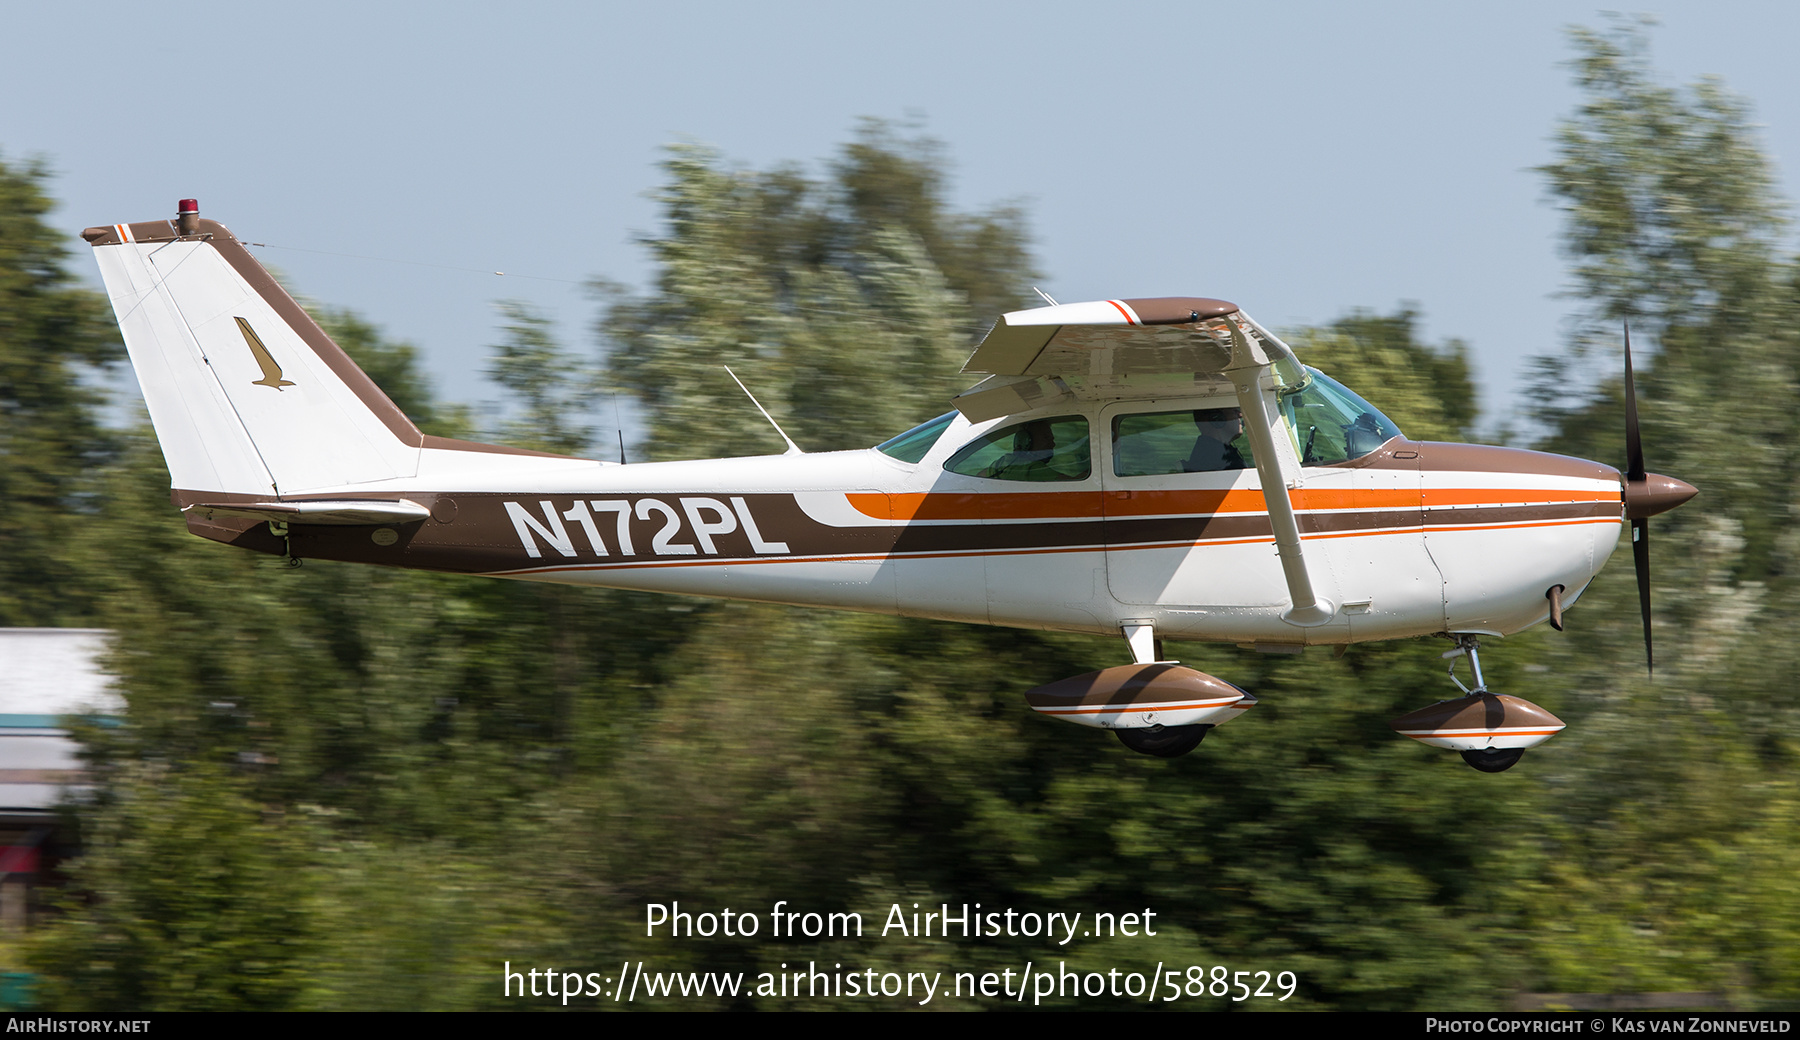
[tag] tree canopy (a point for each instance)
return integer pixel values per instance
(54, 336)
(848, 306)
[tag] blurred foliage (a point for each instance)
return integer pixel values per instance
(395, 368)
(847, 307)
(546, 381)
(207, 907)
(1428, 392)
(1674, 218)
(53, 336)
(1674, 835)
(344, 787)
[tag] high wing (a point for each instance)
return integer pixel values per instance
(1168, 347)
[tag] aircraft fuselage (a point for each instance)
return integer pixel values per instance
(1412, 539)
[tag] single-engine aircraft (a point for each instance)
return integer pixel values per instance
(1150, 468)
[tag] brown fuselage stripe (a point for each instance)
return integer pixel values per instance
(715, 561)
(483, 539)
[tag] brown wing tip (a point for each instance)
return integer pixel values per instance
(1179, 310)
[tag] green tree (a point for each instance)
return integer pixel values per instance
(54, 339)
(205, 905)
(887, 183)
(846, 306)
(1427, 391)
(545, 379)
(394, 366)
(1670, 867)
(1673, 214)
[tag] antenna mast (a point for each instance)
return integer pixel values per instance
(793, 449)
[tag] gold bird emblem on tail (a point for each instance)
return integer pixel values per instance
(270, 370)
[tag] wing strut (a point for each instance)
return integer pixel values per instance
(1261, 422)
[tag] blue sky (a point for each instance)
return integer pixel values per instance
(1300, 159)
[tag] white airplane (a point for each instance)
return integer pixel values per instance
(1151, 468)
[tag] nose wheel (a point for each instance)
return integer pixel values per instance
(1493, 760)
(1491, 731)
(1163, 741)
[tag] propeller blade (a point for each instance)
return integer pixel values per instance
(1636, 474)
(1634, 446)
(1640, 557)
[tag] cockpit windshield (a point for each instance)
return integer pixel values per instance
(915, 444)
(1331, 424)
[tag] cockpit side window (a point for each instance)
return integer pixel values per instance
(1331, 424)
(916, 443)
(1205, 440)
(1036, 450)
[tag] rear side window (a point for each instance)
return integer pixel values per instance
(1037, 450)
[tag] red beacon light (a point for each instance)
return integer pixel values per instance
(187, 218)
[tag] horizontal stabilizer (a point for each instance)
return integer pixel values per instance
(337, 512)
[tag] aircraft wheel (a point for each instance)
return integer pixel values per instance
(1163, 742)
(1493, 760)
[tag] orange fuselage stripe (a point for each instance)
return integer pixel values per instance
(1426, 734)
(1112, 709)
(1056, 505)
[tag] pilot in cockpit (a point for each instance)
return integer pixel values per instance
(1214, 448)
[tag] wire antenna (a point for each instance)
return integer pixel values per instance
(793, 449)
(619, 426)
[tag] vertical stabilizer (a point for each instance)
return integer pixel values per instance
(247, 394)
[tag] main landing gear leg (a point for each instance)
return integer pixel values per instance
(1470, 646)
(1160, 741)
(1490, 730)
(1140, 636)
